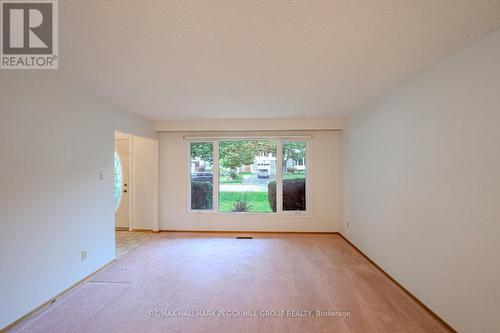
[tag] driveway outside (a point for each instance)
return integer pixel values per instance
(250, 183)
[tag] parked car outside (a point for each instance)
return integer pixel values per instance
(263, 173)
(203, 177)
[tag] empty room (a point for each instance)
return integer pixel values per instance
(249, 166)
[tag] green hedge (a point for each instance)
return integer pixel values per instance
(201, 195)
(271, 194)
(294, 194)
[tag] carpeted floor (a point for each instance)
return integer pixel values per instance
(181, 282)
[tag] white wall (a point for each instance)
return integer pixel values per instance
(422, 186)
(233, 125)
(53, 142)
(325, 164)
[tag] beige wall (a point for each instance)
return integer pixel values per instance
(325, 165)
(422, 186)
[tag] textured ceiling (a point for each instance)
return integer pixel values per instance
(258, 59)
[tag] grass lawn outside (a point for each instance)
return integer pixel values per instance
(296, 175)
(237, 180)
(258, 201)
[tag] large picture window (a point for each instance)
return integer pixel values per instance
(248, 176)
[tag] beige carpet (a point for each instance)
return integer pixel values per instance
(179, 282)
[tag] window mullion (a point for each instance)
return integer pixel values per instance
(279, 177)
(215, 170)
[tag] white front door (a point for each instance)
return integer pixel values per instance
(122, 213)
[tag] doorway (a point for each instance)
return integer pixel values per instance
(122, 181)
(135, 190)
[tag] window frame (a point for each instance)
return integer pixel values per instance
(215, 182)
(279, 176)
(307, 165)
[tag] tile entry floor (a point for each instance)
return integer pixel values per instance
(127, 240)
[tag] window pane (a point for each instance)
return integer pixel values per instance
(118, 181)
(294, 176)
(202, 176)
(247, 177)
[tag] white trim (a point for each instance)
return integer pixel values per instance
(188, 177)
(156, 206)
(130, 182)
(279, 176)
(215, 177)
